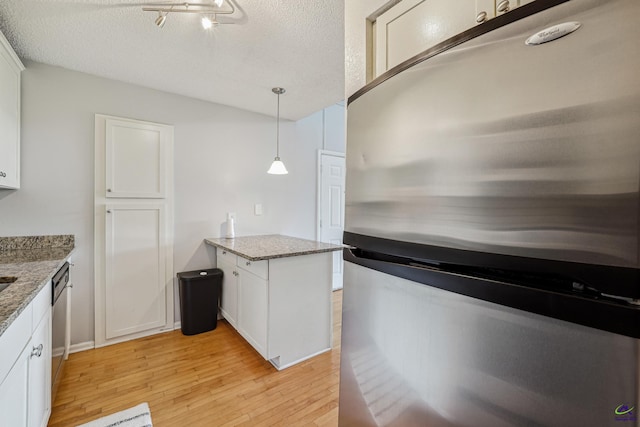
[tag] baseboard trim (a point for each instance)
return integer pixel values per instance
(276, 361)
(82, 346)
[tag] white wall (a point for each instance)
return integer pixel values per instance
(221, 158)
(355, 41)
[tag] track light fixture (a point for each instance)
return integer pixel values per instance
(208, 9)
(208, 22)
(160, 20)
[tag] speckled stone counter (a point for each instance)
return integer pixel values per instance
(256, 248)
(33, 260)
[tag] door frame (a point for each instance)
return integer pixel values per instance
(322, 153)
(99, 226)
(319, 186)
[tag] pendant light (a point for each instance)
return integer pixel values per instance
(277, 167)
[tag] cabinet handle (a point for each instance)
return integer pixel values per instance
(108, 190)
(481, 17)
(108, 210)
(2, 174)
(248, 263)
(224, 252)
(503, 6)
(37, 351)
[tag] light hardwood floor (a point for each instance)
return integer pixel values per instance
(210, 379)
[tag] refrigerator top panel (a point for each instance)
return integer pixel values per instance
(507, 148)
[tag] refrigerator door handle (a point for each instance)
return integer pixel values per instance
(588, 309)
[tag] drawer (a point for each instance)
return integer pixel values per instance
(226, 255)
(13, 340)
(41, 303)
(259, 268)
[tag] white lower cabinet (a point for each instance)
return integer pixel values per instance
(229, 297)
(40, 373)
(281, 306)
(25, 380)
(13, 392)
(252, 316)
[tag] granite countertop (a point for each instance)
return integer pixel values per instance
(33, 260)
(257, 248)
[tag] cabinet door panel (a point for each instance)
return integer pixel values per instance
(40, 374)
(13, 392)
(9, 121)
(135, 269)
(136, 156)
(229, 300)
(13, 341)
(253, 310)
(413, 26)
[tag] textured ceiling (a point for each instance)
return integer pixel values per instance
(295, 44)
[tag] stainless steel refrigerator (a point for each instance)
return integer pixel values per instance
(493, 212)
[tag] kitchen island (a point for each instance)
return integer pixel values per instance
(276, 292)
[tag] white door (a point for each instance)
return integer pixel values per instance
(331, 207)
(136, 159)
(135, 269)
(413, 26)
(133, 229)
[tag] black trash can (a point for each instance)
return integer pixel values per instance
(199, 298)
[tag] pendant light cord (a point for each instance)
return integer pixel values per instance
(278, 130)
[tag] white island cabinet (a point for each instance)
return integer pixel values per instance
(276, 292)
(10, 69)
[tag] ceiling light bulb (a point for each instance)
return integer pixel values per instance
(206, 22)
(218, 2)
(161, 19)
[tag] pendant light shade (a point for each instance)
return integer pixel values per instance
(277, 167)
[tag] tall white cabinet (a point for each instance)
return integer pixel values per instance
(10, 69)
(135, 291)
(133, 229)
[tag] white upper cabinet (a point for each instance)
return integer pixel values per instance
(504, 6)
(136, 159)
(10, 69)
(413, 26)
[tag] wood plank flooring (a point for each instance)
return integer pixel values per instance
(211, 379)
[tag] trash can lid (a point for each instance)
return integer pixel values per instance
(199, 274)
